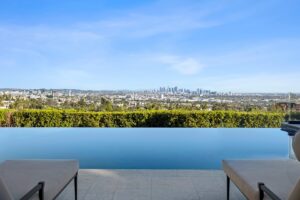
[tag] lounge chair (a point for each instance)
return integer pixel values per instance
(36, 179)
(266, 179)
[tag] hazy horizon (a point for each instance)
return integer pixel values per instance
(238, 46)
(147, 89)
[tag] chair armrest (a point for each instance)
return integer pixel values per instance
(264, 189)
(38, 188)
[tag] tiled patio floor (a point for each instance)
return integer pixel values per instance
(151, 185)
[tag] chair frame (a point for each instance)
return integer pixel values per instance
(41, 185)
(263, 189)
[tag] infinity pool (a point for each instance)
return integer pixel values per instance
(143, 148)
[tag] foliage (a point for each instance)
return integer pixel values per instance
(5, 118)
(27, 104)
(294, 116)
(154, 118)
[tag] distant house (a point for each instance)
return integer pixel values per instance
(297, 107)
(6, 104)
(285, 106)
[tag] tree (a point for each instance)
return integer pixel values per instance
(106, 105)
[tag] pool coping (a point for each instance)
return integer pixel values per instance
(290, 128)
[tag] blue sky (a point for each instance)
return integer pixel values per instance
(240, 46)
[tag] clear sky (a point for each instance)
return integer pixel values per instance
(238, 45)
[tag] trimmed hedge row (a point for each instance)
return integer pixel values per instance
(4, 118)
(178, 118)
(294, 116)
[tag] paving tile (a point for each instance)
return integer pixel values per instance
(173, 188)
(133, 194)
(151, 185)
(136, 182)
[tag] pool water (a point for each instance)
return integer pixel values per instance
(143, 148)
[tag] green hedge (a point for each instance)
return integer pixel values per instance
(207, 119)
(294, 116)
(5, 118)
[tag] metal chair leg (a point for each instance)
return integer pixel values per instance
(228, 187)
(76, 185)
(41, 191)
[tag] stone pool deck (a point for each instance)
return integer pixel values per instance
(151, 185)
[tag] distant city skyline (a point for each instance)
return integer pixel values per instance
(166, 89)
(162, 88)
(225, 46)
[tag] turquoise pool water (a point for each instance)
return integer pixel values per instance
(143, 148)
